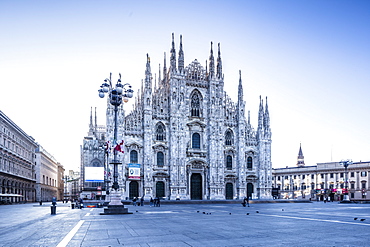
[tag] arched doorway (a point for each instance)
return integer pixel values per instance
(249, 190)
(229, 191)
(159, 189)
(196, 186)
(133, 189)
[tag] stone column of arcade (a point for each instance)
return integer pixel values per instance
(116, 95)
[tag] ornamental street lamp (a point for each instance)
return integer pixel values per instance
(346, 163)
(116, 95)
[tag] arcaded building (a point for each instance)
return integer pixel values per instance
(17, 162)
(323, 180)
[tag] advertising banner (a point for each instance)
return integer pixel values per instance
(134, 171)
(94, 174)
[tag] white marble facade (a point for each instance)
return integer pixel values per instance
(190, 139)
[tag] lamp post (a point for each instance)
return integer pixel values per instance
(346, 163)
(116, 95)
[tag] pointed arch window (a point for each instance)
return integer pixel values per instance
(160, 132)
(195, 105)
(160, 159)
(195, 141)
(249, 162)
(229, 138)
(133, 157)
(229, 162)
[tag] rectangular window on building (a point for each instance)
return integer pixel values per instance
(286, 177)
(312, 176)
(352, 174)
(322, 175)
(363, 174)
(331, 175)
(303, 176)
(364, 185)
(352, 195)
(341, 174)
(352, 186)
(279, 178)
(295, 176)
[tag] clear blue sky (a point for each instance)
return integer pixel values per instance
(310, 58)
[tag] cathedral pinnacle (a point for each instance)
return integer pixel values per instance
(91, 126)
(181, 57)
(219, 64)
(211, 63)
(240, 88)
(260, 115)
(148, 75)
(173, 55)
(164, 67)
(266, 116)
(148, 70)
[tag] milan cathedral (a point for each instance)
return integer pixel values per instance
(187, 139)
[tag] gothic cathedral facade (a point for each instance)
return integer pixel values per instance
(189, 139)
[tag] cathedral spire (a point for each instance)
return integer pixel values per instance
(181, 57)
(300, 159)
(260, 114)
(206, 68)
(211, 63)
(219, 64)
(96, 123)
(240, 88)
(164, 68)
(148, 74)
(142, 87)
(91, 126)
(267, 116)
(155, 81)
(173, 55)
(159, 76)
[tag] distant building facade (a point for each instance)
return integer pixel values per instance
(48, 175)
(322, 181)
(186, 139)
(60, 182)
(17, 162)
(72, 187)
(93, 155)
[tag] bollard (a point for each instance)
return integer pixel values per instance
(53, 209)
(73, 205)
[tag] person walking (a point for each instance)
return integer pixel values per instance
(134, 201)
(142, 201)
(151, 201)
(245, 201)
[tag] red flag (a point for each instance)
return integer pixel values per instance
(119, 148)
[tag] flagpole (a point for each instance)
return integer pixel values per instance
(115, 162)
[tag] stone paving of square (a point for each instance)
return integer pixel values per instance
(261, 224)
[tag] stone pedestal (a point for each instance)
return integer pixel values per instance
(115, 205)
